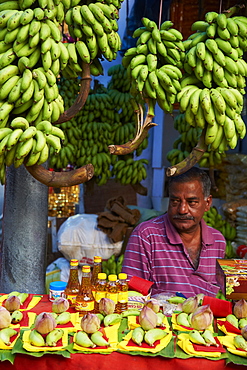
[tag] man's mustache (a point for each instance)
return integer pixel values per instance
(178, 217)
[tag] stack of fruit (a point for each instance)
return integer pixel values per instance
(214, 219)
(211, 98)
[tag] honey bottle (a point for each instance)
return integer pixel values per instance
(100, 290)
(97, 266)
(112, 289)
(122, 304)
(85, 301)
(73, 285)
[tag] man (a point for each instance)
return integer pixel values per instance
(177, 251)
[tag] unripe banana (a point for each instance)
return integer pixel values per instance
(36, 339)
(182, 319)
(82, 339)
(196, 337)
(16, 316)
(97, 338)
(53, 337)
(63, 318)
(112, 319)
(138, 335)
(6, 334)
(152, 335)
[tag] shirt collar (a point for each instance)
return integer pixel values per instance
(174, 237)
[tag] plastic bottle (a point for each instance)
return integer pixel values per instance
(73, 285)
(100, 290)
(112, 289)
(85, 301)
(122, 304)
(97, 266)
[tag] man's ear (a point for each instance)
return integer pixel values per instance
(208, 203)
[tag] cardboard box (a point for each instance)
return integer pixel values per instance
(231, 276)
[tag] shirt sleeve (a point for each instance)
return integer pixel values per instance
(137, 257)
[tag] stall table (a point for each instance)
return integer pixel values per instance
(114, 360)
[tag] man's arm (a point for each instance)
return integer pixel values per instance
(137, 256)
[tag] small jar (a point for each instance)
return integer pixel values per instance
(57, 289)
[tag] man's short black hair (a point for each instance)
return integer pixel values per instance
(193, 173)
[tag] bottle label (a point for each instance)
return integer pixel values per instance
(112, 296)
(123, 297)
(71, 298)
(84, 306)
(99, 295)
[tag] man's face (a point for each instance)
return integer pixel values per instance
(187, 205)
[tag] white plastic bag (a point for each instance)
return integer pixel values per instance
(80, 238)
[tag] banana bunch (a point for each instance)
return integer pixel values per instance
(153, 66)
(130, 171)
(214, 219)
(95, 25)
(113, 265)
(187, 139)
(212, 88)
(119, 79)
(37, 340)
(21, 142)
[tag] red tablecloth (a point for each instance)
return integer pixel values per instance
(115, 360)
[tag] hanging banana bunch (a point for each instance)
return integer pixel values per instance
(153, 67)
(32, 55)
(212, 88)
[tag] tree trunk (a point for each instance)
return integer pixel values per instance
(24, 235)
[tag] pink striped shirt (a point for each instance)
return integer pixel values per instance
(155, 252)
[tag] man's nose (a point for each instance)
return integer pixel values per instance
(183, 207)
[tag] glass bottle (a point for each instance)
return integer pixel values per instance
(122, 304)
(85, 301)
(112, 289)
(100, 290)
(73, 285)
(97, 266)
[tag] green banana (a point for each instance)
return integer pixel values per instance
(152, 335)
(36, 339)
(137, 335)
(98, 340)
(196, 337)
(82, 339)
(53, 337)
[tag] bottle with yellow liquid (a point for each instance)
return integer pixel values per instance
(112, 289)
(97, 262)
(73, 285)
(100, 290)
(85, 301)
(122, 304)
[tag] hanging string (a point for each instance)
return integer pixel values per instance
(160, 13)
(220, 8)
(127, 21)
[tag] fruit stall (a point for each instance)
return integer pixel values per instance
(170, 332)
(176, 96)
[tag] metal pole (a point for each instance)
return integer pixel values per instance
(24, 239)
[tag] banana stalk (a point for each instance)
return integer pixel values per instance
(195, 155)
(81, 98)
(58, 179)
(143, 127)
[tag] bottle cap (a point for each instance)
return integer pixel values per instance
(97, 259)
(74, 262)
(112, 277)
(101, 276)
(122, 276)
(86, 268)
(58, 285)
